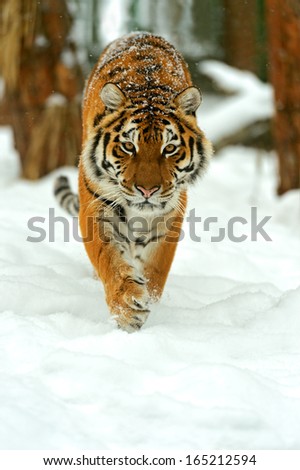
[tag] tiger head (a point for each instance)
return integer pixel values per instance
(144, 153)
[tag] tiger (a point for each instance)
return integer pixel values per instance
(141, 149)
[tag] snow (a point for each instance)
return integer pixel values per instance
(217, 365)
(56, 99)
(252, 100)
(41, 41)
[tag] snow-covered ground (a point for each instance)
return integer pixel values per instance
(217, 365)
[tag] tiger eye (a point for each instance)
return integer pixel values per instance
(128, 146)
(169, 148)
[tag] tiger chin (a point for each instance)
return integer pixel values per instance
(141, 149)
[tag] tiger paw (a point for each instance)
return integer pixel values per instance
(129, 305)
(131, 320)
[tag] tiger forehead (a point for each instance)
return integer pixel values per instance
(155, 131)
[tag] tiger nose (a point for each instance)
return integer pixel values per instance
(147, 192)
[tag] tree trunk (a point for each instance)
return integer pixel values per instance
(240, 43)
(283, 20)
(43, 83)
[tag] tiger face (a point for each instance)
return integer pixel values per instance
(145, 154)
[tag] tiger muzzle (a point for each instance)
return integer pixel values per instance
(147, 193)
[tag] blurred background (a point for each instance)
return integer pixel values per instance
(238, 52)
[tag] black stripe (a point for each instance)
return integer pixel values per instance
(116, 70)
(119, 126)
(65, 196)
(148, 69)
(146, 129)
(143, 56)
(105, 163)
(120, 116)
(151, 109)
(98, 118)
(191, 145)
(115, 227)
(188, 169)
(96, 169)
(105, 142)
(74, 203)
(139, 282)
(116, 207)
(61, 188)
(181, 158)
(158, 99)
(192, 129)
(95, 144)
(93, 193)
(138, 120)
(177, 121)
(116, 155)
(148, 86)
(152, 239)
(200, 147)
(180, 127)
(174, 175)
(137, 111)
(126, 134)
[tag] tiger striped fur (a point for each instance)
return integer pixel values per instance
(65, 196)
(141, 149)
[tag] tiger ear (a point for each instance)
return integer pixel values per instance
(112, 96)
(189, 100)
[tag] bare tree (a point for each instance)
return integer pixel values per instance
(42, 83)
(284, 38)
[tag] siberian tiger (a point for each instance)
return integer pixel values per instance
(141, 149)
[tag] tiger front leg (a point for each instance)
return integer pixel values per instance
(125, 287)
(126, 292)
(158, 264)
(126, 295)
